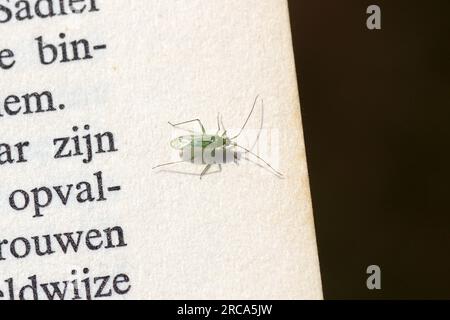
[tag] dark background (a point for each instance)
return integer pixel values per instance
(376, 113)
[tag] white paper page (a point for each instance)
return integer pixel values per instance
(242, 233)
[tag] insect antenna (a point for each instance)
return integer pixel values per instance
(168, 164)
(277, 173)
(248, 118)
(260, 127)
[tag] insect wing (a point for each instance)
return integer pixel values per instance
(202, 141)
(194, 141)
(181, 142)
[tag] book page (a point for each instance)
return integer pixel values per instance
(87, 90)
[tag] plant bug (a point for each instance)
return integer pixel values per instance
(211, 149)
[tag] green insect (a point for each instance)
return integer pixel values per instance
(211, 149)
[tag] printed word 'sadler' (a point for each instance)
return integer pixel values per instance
(23, 10)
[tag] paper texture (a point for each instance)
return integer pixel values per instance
(239, 234)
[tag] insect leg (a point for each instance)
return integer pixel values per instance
(175, 125)
(205, 171)
(218, 123)
(169, 164)
(223, 127)
(277, 173)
